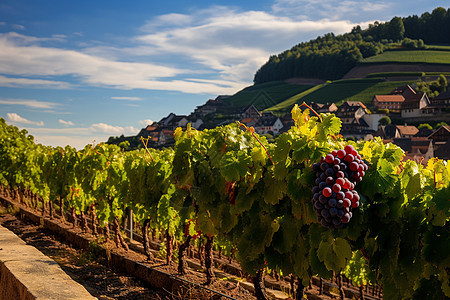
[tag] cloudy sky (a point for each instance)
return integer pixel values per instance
(72, 72)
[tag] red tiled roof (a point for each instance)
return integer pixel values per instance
(408, 130)
(389, 98)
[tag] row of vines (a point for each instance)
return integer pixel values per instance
(236, 190)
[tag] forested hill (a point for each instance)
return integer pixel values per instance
(330, 57)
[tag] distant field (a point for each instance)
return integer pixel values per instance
(344, 90)
(266, 95)
(413, 56)
(405, 74)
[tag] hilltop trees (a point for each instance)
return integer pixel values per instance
(330, 57)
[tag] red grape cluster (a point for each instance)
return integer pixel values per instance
(334, 195)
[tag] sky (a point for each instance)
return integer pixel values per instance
(77, 72)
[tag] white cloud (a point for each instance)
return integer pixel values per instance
(33, 83)
(146, 122)
(15, 118)
(127, 98)
(113, 130)
(215, 51)
(18, 26)
(67, 123)
(29, 103)
(235, 44)
(330, 9)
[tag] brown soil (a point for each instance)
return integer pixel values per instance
(304, 80)
(104, 282)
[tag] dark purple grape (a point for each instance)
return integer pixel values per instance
(340, 204)
(317, 181)
(315, 189)
(340, 213)
(332, 202)
(336, 221)
(343, 166)
(336, 168)
(322, 185)
(329, 180)
(316, 196)
(329, 172)
(323, 176)
(324, 166)
(323, 199)
(325, 213)
(333, 211)
(318, 205)
(316, 167)
(340, 195)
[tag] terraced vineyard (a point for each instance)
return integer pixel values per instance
(266, 95)
(411, 56)
(341, 90)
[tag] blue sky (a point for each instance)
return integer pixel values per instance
(72, 72)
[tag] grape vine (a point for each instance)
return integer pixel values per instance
(237, 190)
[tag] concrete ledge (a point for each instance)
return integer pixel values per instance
(26, 273)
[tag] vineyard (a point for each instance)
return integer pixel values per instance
(380, 221)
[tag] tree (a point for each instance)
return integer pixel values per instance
(396, 29)
(424, 125)
(440, 124)
(384, 121)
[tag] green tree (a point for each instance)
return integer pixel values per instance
(440, 124)
(396, 29)
(424, 125)
(384, 121)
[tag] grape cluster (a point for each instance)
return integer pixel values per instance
(334, 195)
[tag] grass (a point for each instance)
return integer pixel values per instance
(406, 74)
(413, 56)
(339, 91)
(266, 95)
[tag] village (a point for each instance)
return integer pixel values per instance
(403, 105)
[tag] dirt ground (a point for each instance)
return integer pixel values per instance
(104, 282)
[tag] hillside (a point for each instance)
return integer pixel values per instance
(266, 95)
(330, 57)
(339, 91)
(411, 56)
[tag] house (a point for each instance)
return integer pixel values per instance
(391, 102)
(405, 90)
(443, 99)
(373, 120)
(407, 131)
(165, 137)
(396, 131)
(443, 152)
(440, 139)
(350, 110)
(197, 123)
(211, 106)
(323, 108)
(418, 149)
(268, 123)
(413, 106)
(250, 121)
(249, 111)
